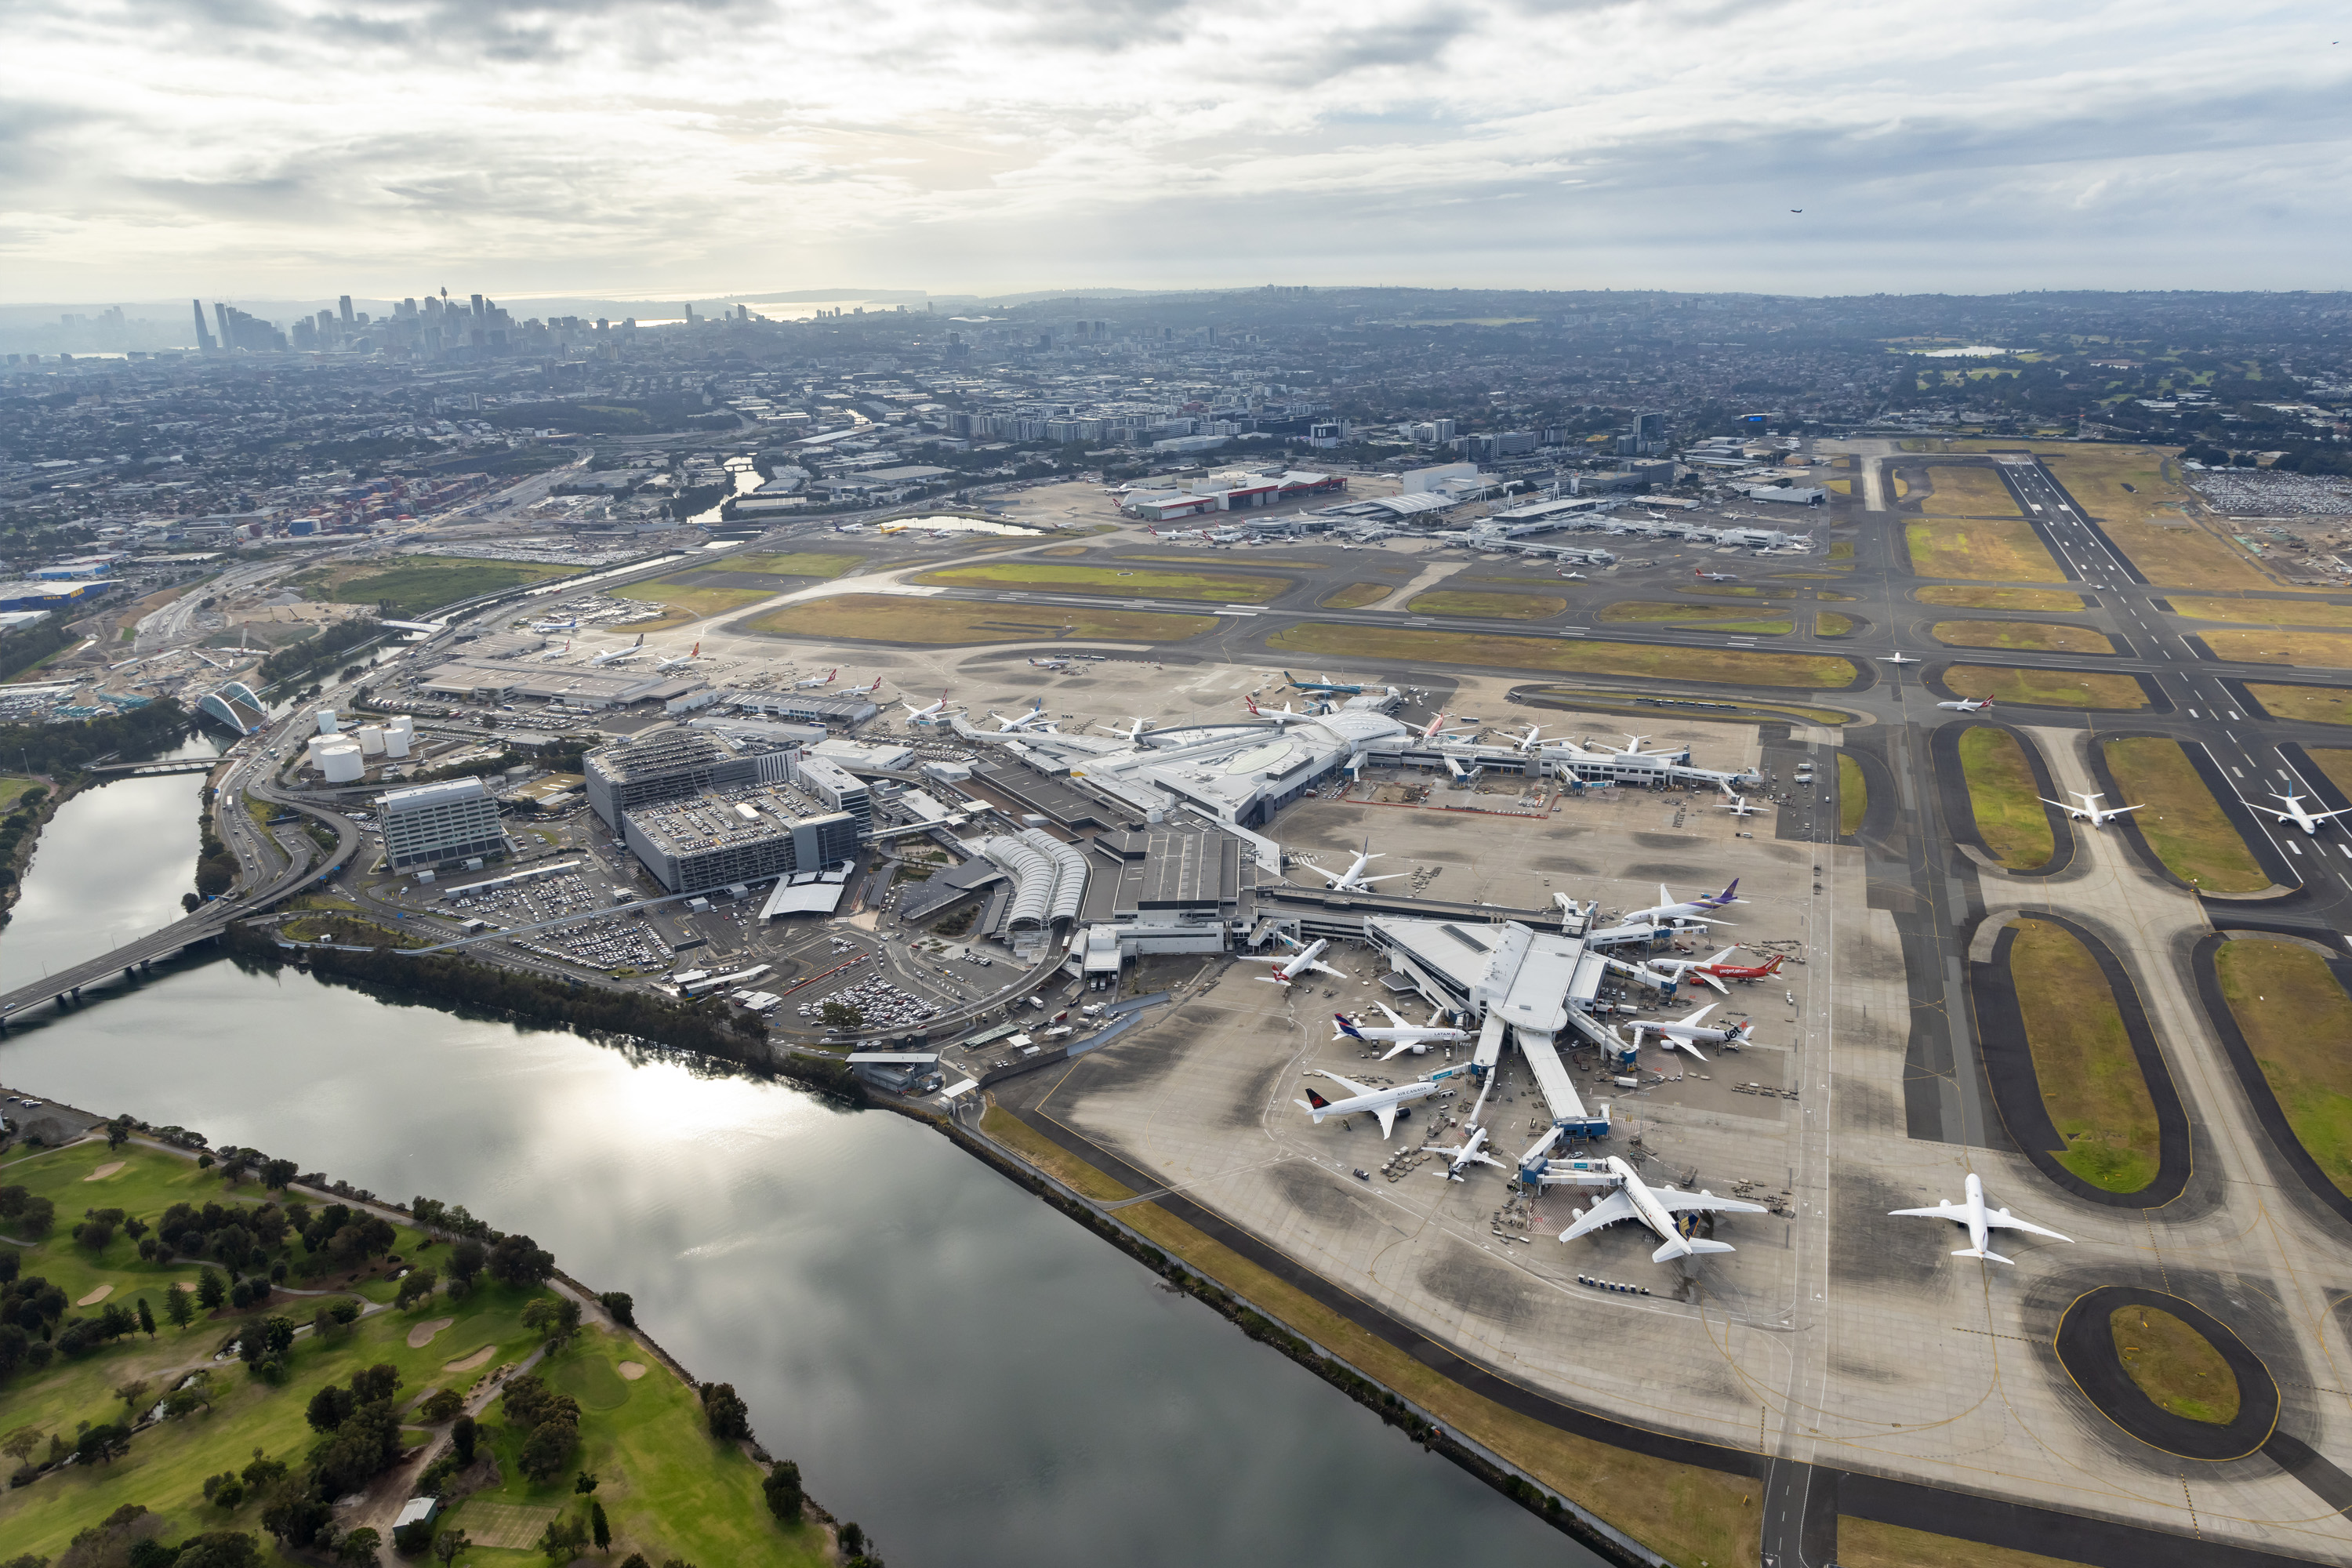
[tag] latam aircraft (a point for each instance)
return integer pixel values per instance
(2090, 811)
(1305, 961)
(1654, 1207)
(1981, 1221)
(1400, 1036)
(1388, 1104)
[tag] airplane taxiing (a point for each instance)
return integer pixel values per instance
(1899, 656)
(1971, 1212)
(1305, 962)
(1400, 1036)
(1031, 719)
(1387, 1104)
(1352, 879)
(1688, 1033)
(2090, 811)
(1967, 705)
(1656, 1208)
(2308, 821)
(1716, 576)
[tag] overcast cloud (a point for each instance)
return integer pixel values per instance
(151, 148)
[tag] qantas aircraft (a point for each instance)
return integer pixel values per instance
(1971, 1212)
(1305, 962)
(1401, 1035)
(925, 715)
(1654, 1207)
(1388, 1104)
(1967, 705)
(824, 679)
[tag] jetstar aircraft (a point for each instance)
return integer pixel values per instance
(1388, 1104)
(1698, 908)
(1401, 1035)
(1715, 972)
(1967, 705)
(1305, 962)
(2091, 810)
(1981, 1221)
(1460, 1157)
(1323, 685)
(1654, 1207)
(2308, 821)
(1353, 879)
(1689, 1034)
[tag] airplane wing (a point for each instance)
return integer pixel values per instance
(1947, 1209)
(1326, 876)
(1395, 1022)
(1702, 1013)
(1398, 1050)
(1348, 1084)
(2119, 810)
(1318, 965)
(2000, 1219)
(1672, 1043)
(1680, 1202)
(1386, 1114)
(1616, 1206)
(1711, 979)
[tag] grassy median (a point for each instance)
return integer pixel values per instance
(2176, 1367)
(898, 618)
(1867, 1543)
(682, 602)
(1957, 491)
(1506, 607)
(797, 563)
(1830, 623)
(2147, 514)
(2310, 704)
(2083, 1061)
(2272, 612)
(2296, 1018)
(2045, 687)
(1989, 550)
(1854, 796)
(1629, 611)
(2010, 815)
(2041, 636)
(416, 584)
(1355, 596)
(1732, 667)
(1136, 582)
(2182, 822)
(1956, 596)
(2308, 651)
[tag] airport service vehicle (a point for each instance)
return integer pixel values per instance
(925, 715)
(1388, 1104)
(2308, 821)
(1324, 683)
(1656, 1208)
(1399, 1035)
(824, 679)
(2090, 811)
(1971, 1212)
(1967, 705)
(1716, 576)
(1898, 657)
(1698, 908)
(1307, 962)
(1689, 1034)
(1352, 879)
(1460, 1157)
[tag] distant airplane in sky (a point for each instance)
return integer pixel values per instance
(1980, 1221)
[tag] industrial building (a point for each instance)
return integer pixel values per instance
(431, 824)
(727, 839)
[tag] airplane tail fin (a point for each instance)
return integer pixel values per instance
(1344, 1027)
(1729, 894)
(1315, 1110)
(1986, 1252)
(1316, 1101)
(1778, 960)
(1251, 703)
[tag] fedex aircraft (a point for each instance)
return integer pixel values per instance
(1689, 1034)
(2308, 821)
(1388, 1104)
(2090, 811)
(1400, 1036)
(1353, 879)
(1307, 962)
(1654, 1207)
(1981, 1221)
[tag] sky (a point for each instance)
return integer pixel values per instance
(643, 149)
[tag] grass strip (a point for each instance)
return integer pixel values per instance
(682, 602)
(1959, 491)
(2002, 796)
(2311, 704)
(1830, 623)
(1987, 551)
(2045, 687)
(421, 582)
(1133, 583)
(1959, 596)
(2176, 1367)
(2336, 763)
(1504, 606)
(1854, 796)
(2089, 1080)
(895, 618)
(2182, 822)
(2308, 651)
(1733, 666)
(1050, 1157)
(1757, 628)
(1640, 610)
(797, 563)
(2041, 637)
(1355, 596)
(2271, 612)
(2296, 1017)
(1867, 1543)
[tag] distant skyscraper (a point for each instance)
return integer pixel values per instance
(220, 314)
(477, 304)
(204, 339)
(347, 309)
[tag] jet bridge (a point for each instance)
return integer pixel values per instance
(1568, 1116)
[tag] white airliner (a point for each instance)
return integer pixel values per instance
(1688, 1033)
(1400, 1036)
(1737, 806)
(1135, 727)
(1460, 1157)
(1698, 908)
(824, 679)
(1388, 1104)
(1898, 657)
(2308, 821)
(1352, 879)
(1654, 1207)
(1035, 717)
(1303, 962)
(1716, 576)
(1051, 663)
(673, 663)
(1980, 1220)
(1680, 969)
(2090, 811)
(1527, 742)
(1431, 734)
(923, 715)
(1968, 704)
(1283, 716)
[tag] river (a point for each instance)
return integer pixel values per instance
(973, 1378)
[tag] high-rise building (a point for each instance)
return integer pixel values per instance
(345, 305)
(205, 340)
(454, 820)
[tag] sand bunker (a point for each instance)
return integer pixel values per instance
(185, 1285)
(422, 1334)
(104, 1170)
(471, 1362)
(94, 1297)
(633, 1370)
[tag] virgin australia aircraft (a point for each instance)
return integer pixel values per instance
(1654, 1207)
(1980, 1220)
(1388, 1104)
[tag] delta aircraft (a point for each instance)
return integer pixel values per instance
(1388, 1104)
(2308, 821)
(2090, 811)
(1654, 1207)
(1460, 1157)
(1967, 705)
(1698, 908)
(1971, 1212)
(1400, 1036)
(1305, 961)
(1325, 684)
(1352, 879)
(1689, 1034)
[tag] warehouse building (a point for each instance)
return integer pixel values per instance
(432, 824)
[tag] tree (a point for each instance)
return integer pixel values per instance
(20, 1443)
(380, 1381)
(622, 1307)
(218, 1549)
(277, 1173)
(363, 1447)
(518, 1260)
(35, 1217)
(548, 1450)
(461, 1439)
(466, 1259)
(842, 1015)
(450, 1544)
(211, 1289)
(147, 1317)
(598, 1530)
(730, 1417)
(103, 1443)
(853, 1541)
(443, 1404)
(179, 1308)
(583, 1483)
(329, 1408)
(359, 1546)
(556, 1317)
(133, 1393)
(562, 1539)
(782, 1487)
(415, 1285)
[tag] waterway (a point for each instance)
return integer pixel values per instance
(957, 1366)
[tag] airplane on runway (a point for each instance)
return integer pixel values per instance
(1899, 656)
(1716, 576)
(825, 679)
(1654, 1208)
(1305, 961)
(1967, 705)
(1460, 1157)
(1737, 806)
(1697, 909)
(1688, 1033)
(2308, 821)
(1325, 684)
(1388, 1104)
(1035, 717)
(1399, 1035)
(1352, 879)
(925, 715)
(1571, 577)
(1980, 1220)
(2090, 811)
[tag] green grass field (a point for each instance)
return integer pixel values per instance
(2306, 650)
(1867, 1543)
(2272, 612)
(2296, 1017)
(892, 618)
(2183, 822)
(2044, 687)
(1986, 551)
(1355, 596)
(420, 583)
(1854, 796)
(1137, 582)
(12, 790)
(1627, 611)
(2176, 1367)
(1830, 623)
(802, 563)
(2007, 808)
(2090, 1080)
(2310, 704)
(2042, 636)
(1735, 666)
(1956, 598)
(1506, 606)
(2335, 762)
(1752, 628)
(1957, 491)
(2150, 521)
(683, 602)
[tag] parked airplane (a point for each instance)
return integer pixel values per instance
(1968, 704)
(1716, 576)
(2090, 811)
(1430, 732)
(2308, 821)
(1284, 715)
(1971, 1212)
(673, 663)
(1688, 1033)
(1527, 742)
(1655, 1207)
(1714, 971)
(570, 625)
(1401, 1035)
(1136, 727)
(1305, 962)
(1737, 806)
(1353, 879)
(925, 715)
(1460, 1157)
(1035, 717)
(1388, 1104)
(826, 680)
(1899, 656)
(1697, 909)
(1050, 663)
(1324, 685)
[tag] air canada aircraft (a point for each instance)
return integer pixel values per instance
(1305, 961)
(1388, 1104)
(1688, 1033)
(2090, 811)
(1400, 1036)
(1654, 1207)
(1352, 879)
(2308, 821)
(1971, 1212)
(1967, 705)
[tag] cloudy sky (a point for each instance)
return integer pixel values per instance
(632, 148)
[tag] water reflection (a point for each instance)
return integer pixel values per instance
(110, 867)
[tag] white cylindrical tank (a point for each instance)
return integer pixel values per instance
(341, 761)
(327, 723)
(395, 742)
(311, 751)
(370, 739)
(404, 723)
